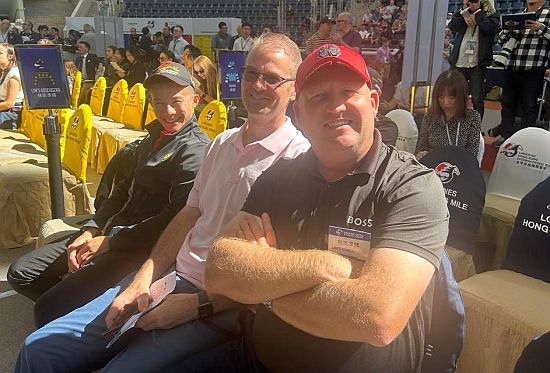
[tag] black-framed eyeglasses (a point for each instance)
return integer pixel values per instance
(270, 80)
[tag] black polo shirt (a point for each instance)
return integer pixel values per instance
(390, 199)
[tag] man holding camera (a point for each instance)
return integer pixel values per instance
(524, 69)
(475, 28)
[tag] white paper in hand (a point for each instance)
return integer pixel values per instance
(158, 290)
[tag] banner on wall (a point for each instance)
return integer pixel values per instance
(42, 76)
(230, 64)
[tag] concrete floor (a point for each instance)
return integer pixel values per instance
(17, 312)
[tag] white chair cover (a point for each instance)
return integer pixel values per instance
(522, 162)
(407, 131)
(481, 149)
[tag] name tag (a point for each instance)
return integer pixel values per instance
(349, 242)
(471, 47)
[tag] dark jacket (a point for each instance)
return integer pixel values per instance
(33, 37)
(156, 191)
(92, 61)
(488, 27)
(13, 38)
(135, 74)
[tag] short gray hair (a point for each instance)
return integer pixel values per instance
(275, 42)
(347, 16)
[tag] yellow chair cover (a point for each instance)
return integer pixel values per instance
(77, 85)
(133, 109)
(77, 142)
(63, 116)
(117, 100)
(213, 119)
(98, 96)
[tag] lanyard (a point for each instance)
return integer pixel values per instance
(449, 135)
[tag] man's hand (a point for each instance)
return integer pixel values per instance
(253, 229)
(533, 25)
(92, 248)
(74, 247)
(175, 309)
(134, 297)
(337, 38)
(470, 21)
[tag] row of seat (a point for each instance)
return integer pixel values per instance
(505, 307)
(24, 179)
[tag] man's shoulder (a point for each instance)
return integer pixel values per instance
(402, 168)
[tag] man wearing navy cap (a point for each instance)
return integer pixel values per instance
(340, 248)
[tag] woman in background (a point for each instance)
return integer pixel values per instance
(136, 71)
(11, 93)
(449, 121)
(206, 75)
(166, 55)
(70, 71)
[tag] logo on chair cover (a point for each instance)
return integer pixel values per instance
(510, 149)
(75, 122)
(446, 171)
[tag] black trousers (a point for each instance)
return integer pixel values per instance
(520, 92)
(38, 276)
(475, 76)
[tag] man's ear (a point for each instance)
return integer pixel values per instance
(293, 93)
(297, 113)
(375, 100)
(196, 99)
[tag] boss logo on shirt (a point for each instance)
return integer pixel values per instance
(359, 222)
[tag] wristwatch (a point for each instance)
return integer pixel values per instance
(205, 307)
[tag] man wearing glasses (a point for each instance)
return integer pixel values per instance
(28, 35)
(189, 320)
(346, 35)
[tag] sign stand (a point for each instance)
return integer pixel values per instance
(45, 87)
(52, 132)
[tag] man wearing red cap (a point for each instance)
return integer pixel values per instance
(340, 247)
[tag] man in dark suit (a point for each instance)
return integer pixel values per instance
(8, 36)
(28, 35)
(87, 64)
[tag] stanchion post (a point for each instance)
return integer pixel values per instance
(232, 114)
(52, 133)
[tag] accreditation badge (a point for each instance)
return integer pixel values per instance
(349, 242)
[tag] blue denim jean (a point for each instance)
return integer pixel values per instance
(75, 342)
(9, 119)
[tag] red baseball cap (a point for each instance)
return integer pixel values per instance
(330, 55)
